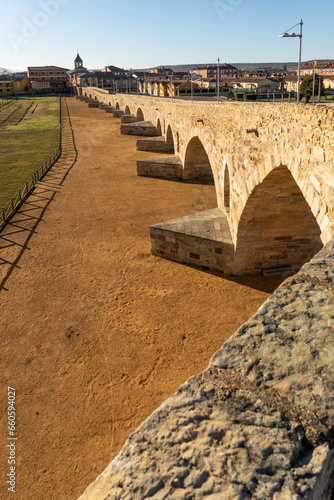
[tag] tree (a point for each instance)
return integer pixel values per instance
(307, 85)
(5, 72)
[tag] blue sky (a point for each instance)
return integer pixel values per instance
(146, 33)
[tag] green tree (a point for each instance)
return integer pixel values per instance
(307, 85)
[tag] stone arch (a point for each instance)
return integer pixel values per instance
(140, 115)
(117, 105)
(95, 98)
(196, 164)
(277, 227)
(127, 110)
(90, 96)
(109, 104)
(159, 127)
(170, 138)
(227, 189)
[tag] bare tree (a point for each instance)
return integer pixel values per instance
(5, 72)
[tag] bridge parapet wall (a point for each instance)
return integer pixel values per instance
(259, 422)
(246, 141)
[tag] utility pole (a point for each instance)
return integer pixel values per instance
(218, 81)
(300, 56)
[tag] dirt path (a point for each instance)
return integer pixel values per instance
(95, 332)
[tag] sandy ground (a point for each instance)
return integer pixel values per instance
(95, 332)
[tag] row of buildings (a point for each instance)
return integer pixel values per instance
(228, 84)
(160, 81)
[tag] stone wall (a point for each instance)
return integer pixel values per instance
(258, 423)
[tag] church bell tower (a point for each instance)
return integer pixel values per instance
(78, 63)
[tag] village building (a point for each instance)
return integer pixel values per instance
(162, 71)
(178, 87)
(48, 78)
(212, 71)
(6, 85)
(114, 70)
(257, 84)
(324, 69)
(14, 86)
(329, 83)
(21, 86)
(290, 83)
(210, 84)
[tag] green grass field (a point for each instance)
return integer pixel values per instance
(28, 136)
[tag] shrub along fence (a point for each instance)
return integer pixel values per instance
(7, 212)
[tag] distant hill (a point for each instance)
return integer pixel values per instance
(243, 66)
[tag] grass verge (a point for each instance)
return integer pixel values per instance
(27, 138)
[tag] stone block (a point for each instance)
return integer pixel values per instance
(129, 119)
(118, 113)
(140, 128)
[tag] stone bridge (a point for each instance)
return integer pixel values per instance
(272, 166)
(259, 422)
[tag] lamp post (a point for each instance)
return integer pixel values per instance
(295, 35)
(218, 81)
(192, 89)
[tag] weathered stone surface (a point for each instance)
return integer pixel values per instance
(213, 440)
(288, 344)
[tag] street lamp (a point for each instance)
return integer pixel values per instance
(294, 35)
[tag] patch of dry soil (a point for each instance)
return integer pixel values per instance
(95, 332)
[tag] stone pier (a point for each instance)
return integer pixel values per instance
(155, 145)
(166, 167)
(140, 128)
